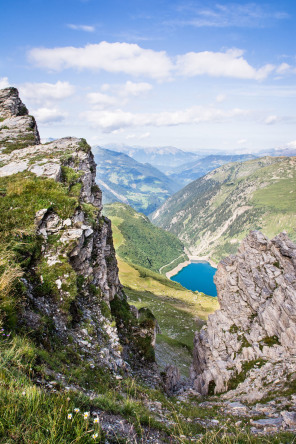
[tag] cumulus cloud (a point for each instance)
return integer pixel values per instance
(85, 28)
(112, 120)
(111, 57)
(41, 92)
(220, 64)
(49, 115)
(101, 100)
(136, 61)
(4, 83)
(135, 89)
(285, 68)
(122, 93)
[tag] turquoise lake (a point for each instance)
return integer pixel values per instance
(197, 276)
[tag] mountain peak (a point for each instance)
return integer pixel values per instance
(10, 104)
(17, 129)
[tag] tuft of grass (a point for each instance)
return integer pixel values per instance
(22, 142)
(237, 378)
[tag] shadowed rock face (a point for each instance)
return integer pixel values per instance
(250, 343)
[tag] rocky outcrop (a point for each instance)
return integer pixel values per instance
(248, 347)
(72, 275)
(17, 128)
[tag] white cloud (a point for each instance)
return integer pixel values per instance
(135, 89)
(241, 141)
(41, 92)
(112, 120)
(270, 120)
(85, 28)
(101, 100)
(121, 94)
(112, 57)
(220, 64)
(136, 61)
(49, 115)
(4, 83)
(285, 68)
(292, 144)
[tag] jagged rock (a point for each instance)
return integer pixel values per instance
(10, 103)
(75, 276)
(171, 379)
(289, 419)
(248, 346)
(17, 128)
(271, 423)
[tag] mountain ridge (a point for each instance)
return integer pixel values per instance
(125, 179)
(212, 214)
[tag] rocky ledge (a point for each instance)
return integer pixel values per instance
(70, 292)
(248, 348)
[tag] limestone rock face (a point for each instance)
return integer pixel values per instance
(17, 128)
(249, 345)
(11, 104)
(75, 278)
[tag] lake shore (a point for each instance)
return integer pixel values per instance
(178, 268)
(201, 259)
(191, 260)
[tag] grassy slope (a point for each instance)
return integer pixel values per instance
(30, 414)
(140, 242)
(257, 194)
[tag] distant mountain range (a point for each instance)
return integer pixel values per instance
(188, 172)
(214, 213)
(279, 152)
(164, 158)
(125, 180)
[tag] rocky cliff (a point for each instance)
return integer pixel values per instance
(249, 346)
(57, 246)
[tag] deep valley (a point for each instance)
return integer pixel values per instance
(97, 344)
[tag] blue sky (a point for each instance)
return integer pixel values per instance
(192, 74)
